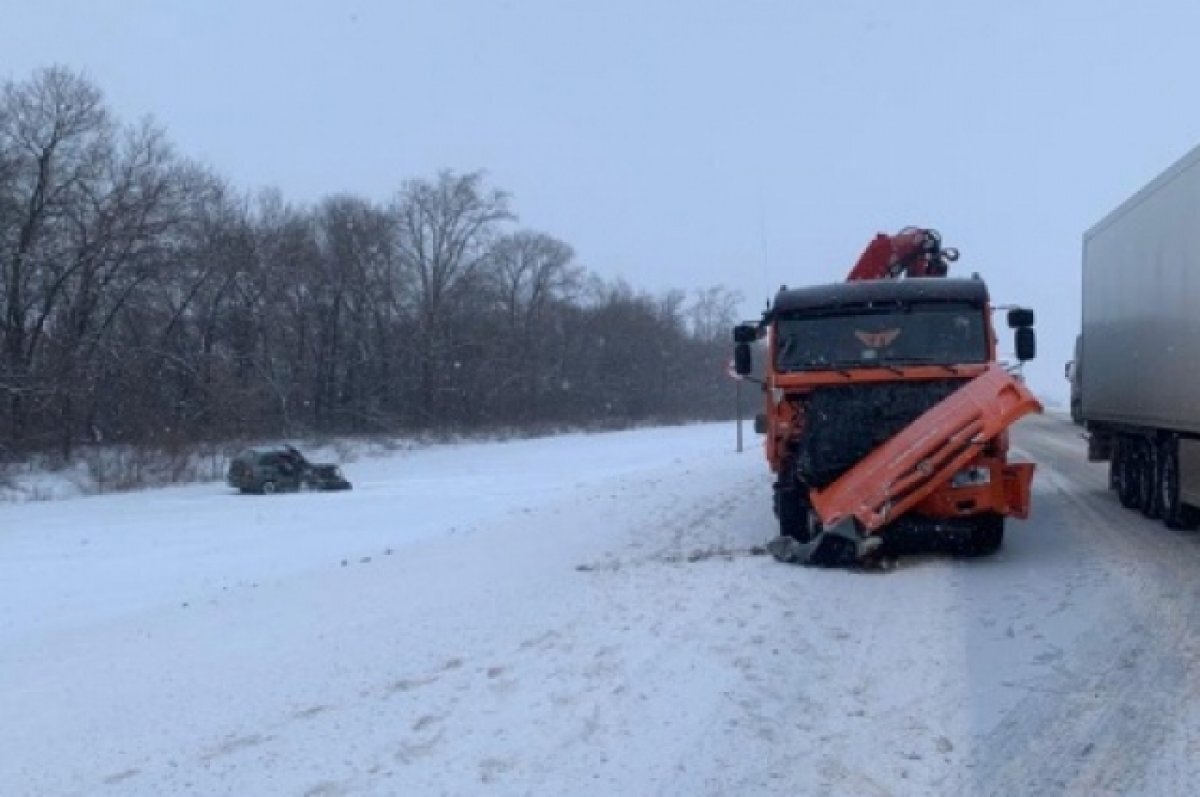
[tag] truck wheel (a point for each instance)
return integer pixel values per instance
(986, 538)
(1124, 466)
(1175, 514)
(1149, 477)
(269, 487)
(791, 505)
(793, 512)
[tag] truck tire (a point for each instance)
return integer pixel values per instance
(793, 512)
(1123, 465)
(798, 522)
(1175, 514)
(792, 506)
(1149, 477)
(986, 538)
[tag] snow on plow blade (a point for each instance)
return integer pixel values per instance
(899, 474)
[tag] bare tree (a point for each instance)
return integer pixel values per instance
(116, 242)
(55, 136)
(357, 244)
(443, 229)
(532, 269)
(533, 273)
(713, 312)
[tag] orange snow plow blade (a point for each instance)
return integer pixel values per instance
(899, 474)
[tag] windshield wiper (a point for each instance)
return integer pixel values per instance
(868, 364)
(927, 361)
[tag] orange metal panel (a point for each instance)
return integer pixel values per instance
(902, 472)
(1018, 482)
(951, 502)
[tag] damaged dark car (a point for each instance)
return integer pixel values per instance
(284, 469)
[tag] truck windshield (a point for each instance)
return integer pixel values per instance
(943, 333)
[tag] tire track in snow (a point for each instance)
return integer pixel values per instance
(1110, 703)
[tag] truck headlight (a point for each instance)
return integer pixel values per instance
(972, 477)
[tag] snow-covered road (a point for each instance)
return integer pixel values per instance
(579, 615)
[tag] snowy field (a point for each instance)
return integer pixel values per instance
(580, 615)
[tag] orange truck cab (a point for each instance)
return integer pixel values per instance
(886, 416)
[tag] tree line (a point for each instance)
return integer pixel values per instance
(145, 300)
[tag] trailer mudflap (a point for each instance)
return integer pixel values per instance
(898, 474)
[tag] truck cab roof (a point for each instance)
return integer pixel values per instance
(850, 294)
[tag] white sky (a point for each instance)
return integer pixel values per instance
(683, 143)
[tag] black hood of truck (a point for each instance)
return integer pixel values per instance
(851, 294)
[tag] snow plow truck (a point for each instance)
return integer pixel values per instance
(887, 408)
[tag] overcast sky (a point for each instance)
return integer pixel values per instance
(680, 144)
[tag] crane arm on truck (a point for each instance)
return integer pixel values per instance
(912, 252)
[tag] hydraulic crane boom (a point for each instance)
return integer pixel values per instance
(912, 252)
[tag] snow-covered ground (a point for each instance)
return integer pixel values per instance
(581, 615)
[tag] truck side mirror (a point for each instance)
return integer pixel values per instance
(760, 423)
(745, 333)
(743, 362)
(1020, 318)
(1026, 344)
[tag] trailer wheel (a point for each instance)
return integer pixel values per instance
(1175, 513)
(1149, 477)
(1124, 466)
